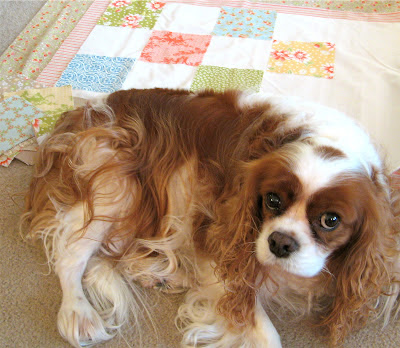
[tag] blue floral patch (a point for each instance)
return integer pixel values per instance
(245, 23)
(96, 73)
(16, 116)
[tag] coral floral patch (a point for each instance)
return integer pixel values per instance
(175, 48)
(302, 58)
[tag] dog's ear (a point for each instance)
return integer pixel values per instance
(268, 132)
(231, 239)
(363, 269)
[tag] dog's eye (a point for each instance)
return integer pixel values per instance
(273, 201)
(329, 221)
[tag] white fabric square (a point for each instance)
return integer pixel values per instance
(290, 27)
(232, 52)
(188, 19)
(151, 75)
(116, 41)
(87, 95)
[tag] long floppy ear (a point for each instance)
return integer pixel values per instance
(231, 240)
(363, 269)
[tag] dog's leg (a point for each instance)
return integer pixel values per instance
(203, 326)
(264, 332)
(78, 321)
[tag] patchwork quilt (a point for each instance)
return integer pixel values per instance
(349, 61)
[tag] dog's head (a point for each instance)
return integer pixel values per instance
(316, 203)
(322, 215)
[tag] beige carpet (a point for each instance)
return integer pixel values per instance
(29, 297)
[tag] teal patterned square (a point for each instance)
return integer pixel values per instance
(220, 79)
(96, 73)
(245, 23)
(132, 14)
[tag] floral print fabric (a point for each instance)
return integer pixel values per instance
(303, 58)
(364, 6)
(245, 23)
(51, 101)
(33, 49)
(132, 14)
(175, 48)
(16, 116)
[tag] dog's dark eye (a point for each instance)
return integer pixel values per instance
(329, 221)
(273, 201)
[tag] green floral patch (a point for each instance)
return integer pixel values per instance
(132, 14)
(220, 79)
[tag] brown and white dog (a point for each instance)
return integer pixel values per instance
(246, 200)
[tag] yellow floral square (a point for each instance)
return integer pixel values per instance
(302, 58)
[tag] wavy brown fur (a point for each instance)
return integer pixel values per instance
(364, 268)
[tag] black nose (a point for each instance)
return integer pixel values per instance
(282, 245)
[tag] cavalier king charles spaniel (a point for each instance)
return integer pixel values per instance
(248, 201)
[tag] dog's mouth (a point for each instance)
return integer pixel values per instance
(290, 256)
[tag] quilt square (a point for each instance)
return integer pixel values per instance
(302, 58)
(16, 116)
(132, 14)
(188, 19)
(175, 48)
(220, 79)
(150, 75)
(115, 42)
(235, 52)
(245, 23)
(96, 73)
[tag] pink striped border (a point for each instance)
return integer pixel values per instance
(52, 72)
(298, 10)
(395, 180)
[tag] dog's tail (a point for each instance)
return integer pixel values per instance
(117, 299)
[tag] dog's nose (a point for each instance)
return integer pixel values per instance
(282, 245)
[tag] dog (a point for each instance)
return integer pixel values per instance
(244, 200)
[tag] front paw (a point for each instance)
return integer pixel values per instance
(80, 324)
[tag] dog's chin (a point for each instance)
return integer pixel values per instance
(307, 262)
(292, 265)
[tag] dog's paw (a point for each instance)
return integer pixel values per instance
(169, 287)
(172, 284)
(80, 324)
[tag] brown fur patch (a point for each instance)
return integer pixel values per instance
(272, 173)
(329, 152)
